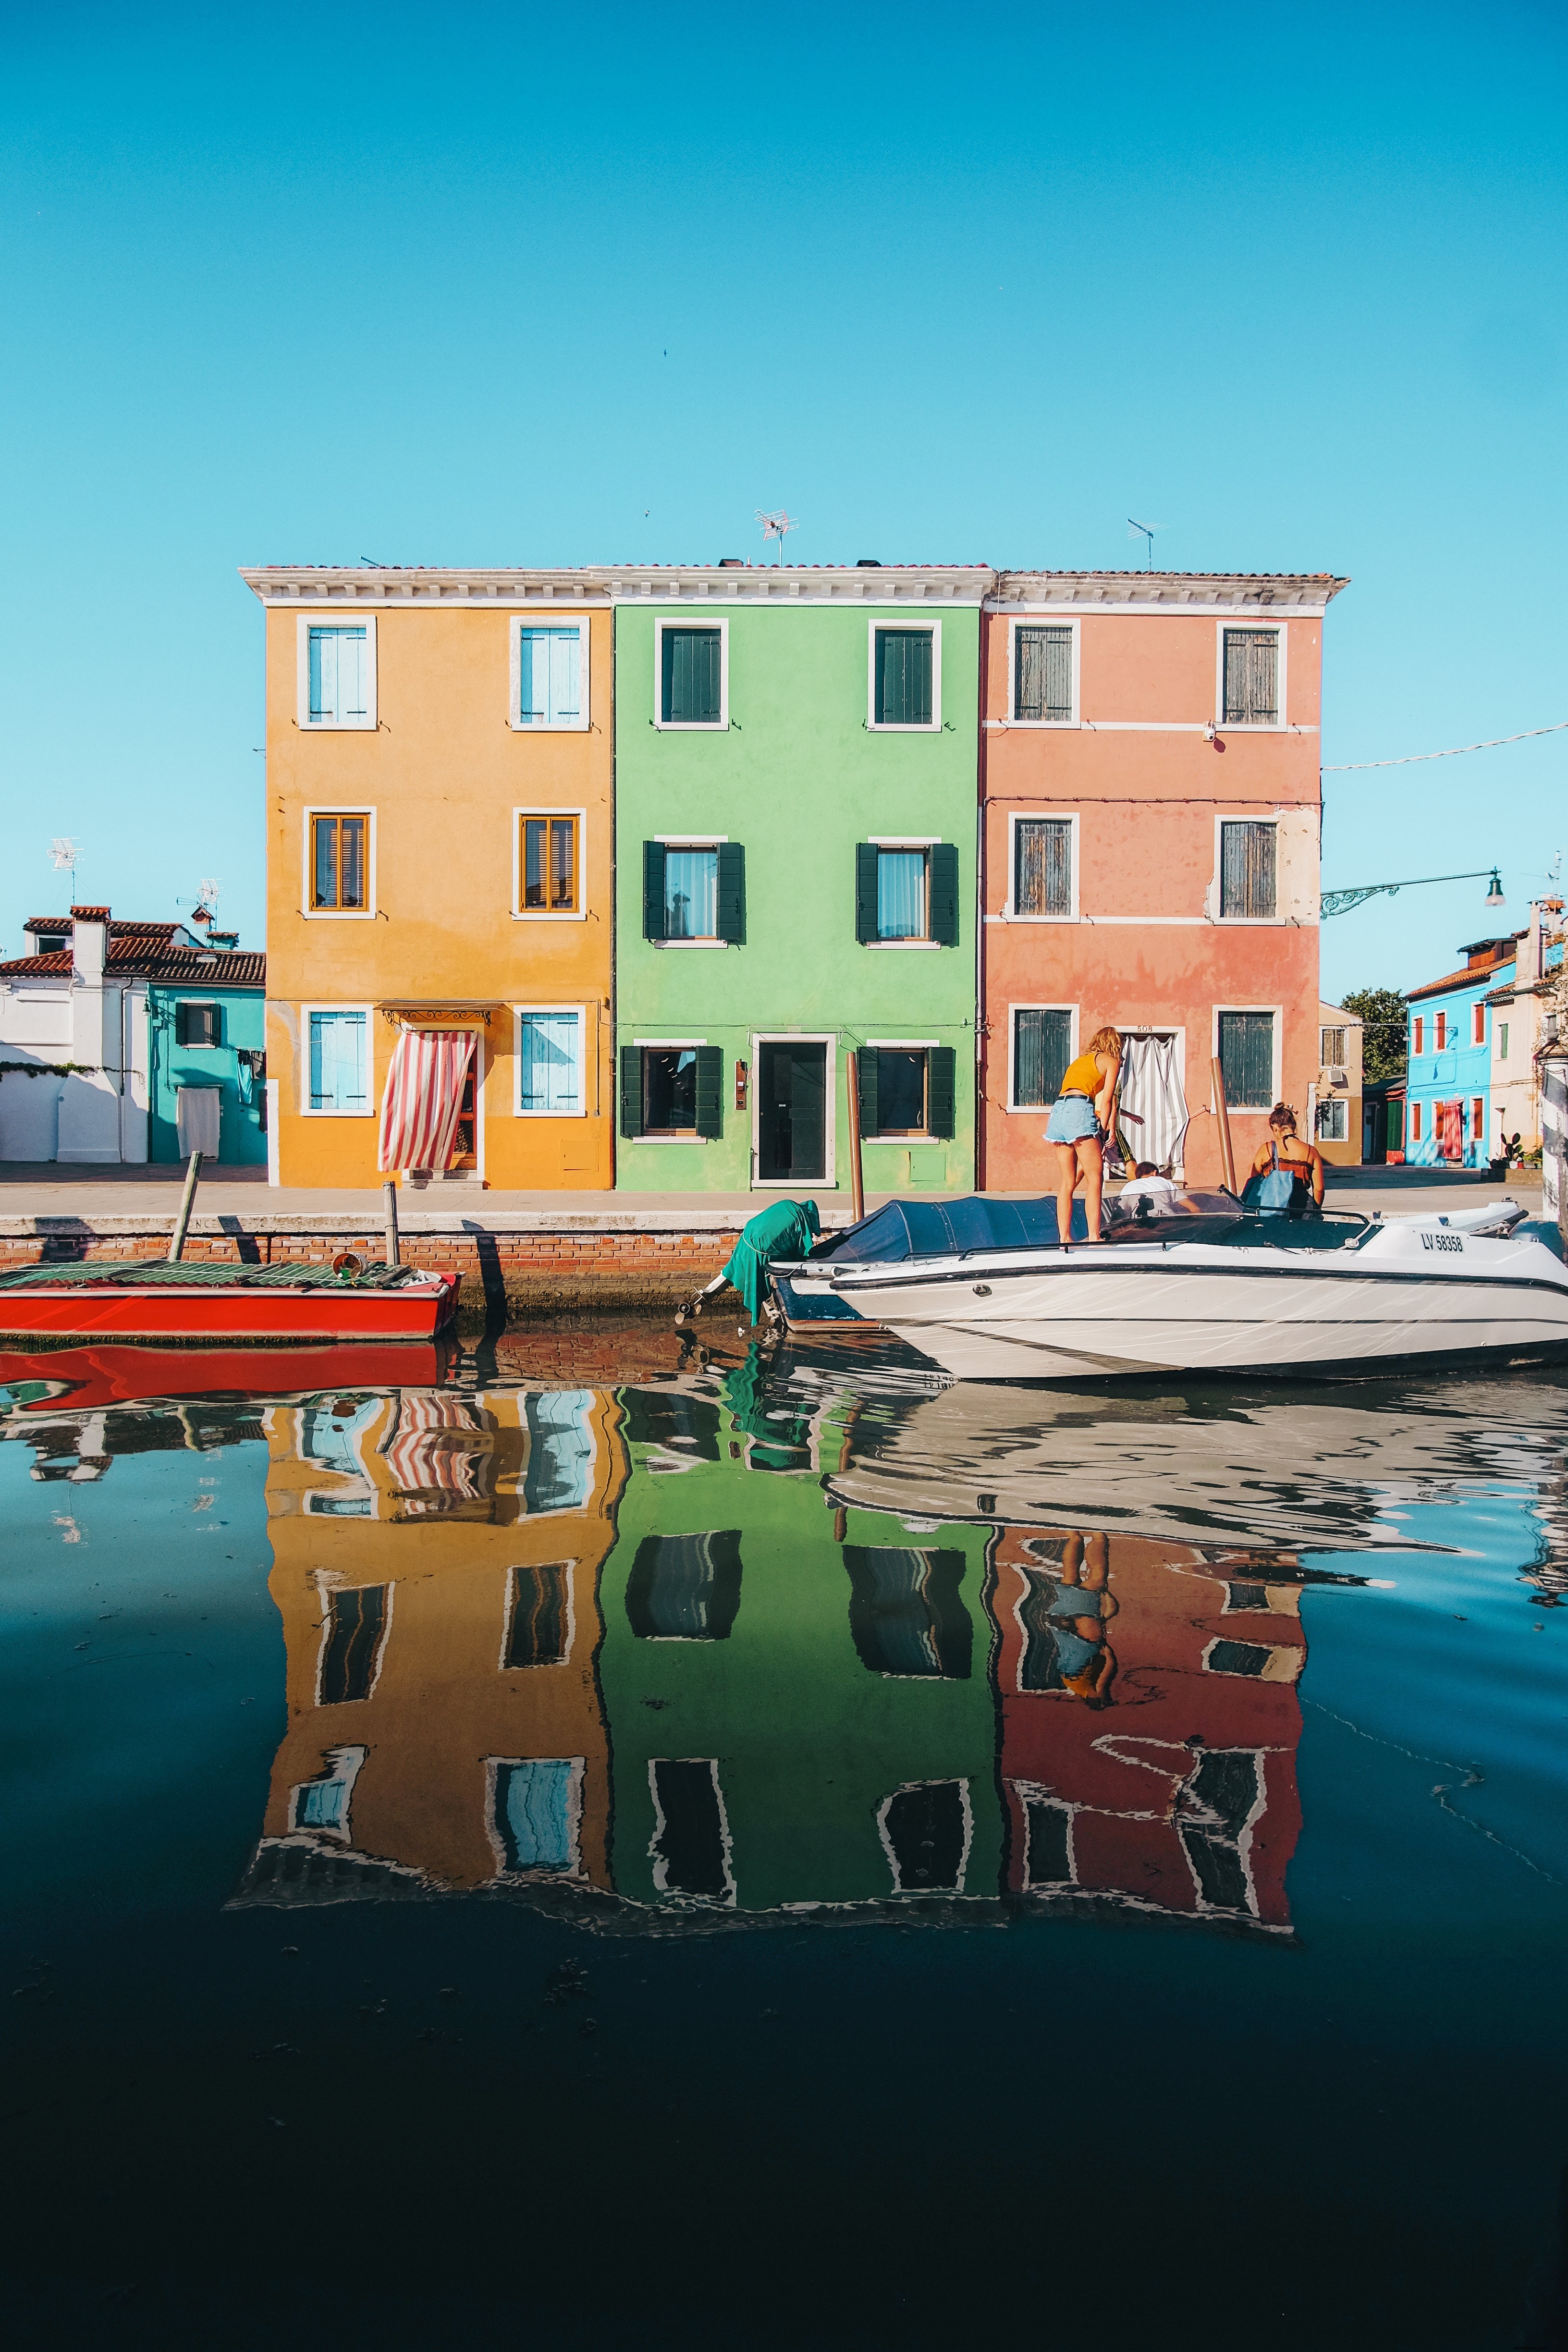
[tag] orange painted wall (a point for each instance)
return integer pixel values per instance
(1147, 795)
(443, 772)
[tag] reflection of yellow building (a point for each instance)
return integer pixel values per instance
(436, 1571)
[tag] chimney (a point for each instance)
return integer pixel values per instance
(1529, 968)
(90, 943)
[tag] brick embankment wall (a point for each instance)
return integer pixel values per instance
(538, 1273)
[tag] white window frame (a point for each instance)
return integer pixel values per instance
(1336, 1102)
(337, 914)
(1016, 817)
(906, 1788)
(1238, 626)
(828, 1180)
(331, 620)
(509, 1610)
(304, 1105)
(725, 1902)
(687, 621)
(1015, 1108)
(714, 841)
(210, 1004)
(541, 620)
(575, 1776)
(519, 913)
(1276, 1083)
(663, 1045)
(326, 1583)
(1276, 922)
(1043, 620)
(925, 626)
(1478, 1021)
(926, 840)
(519, 1013)
(906, 1136)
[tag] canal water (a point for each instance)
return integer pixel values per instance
(588, 1841)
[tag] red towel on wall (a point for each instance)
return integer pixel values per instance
(424, 1094)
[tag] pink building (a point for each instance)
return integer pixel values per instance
(1150, 813)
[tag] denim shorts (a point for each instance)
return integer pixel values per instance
(1072, 1120)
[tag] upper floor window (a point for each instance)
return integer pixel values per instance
(550, 676)
(547, 863)
(1502, 1041)
(1441, 1024)
(906, 677)
(906, 895)
(1043, 866)
(1248, 862)
(358, 1617)
(337, 673)
(1331, 1043)
(340, 864)
(197, 1024)
(1478, 1024)
(694, 892)
(1251, 683)
(1042, 675)
(692, 681)
(1419, 1034)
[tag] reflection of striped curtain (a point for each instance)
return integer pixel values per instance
(902, 894)
(433, 1453)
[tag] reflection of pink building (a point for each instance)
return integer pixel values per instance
(1174, 1787)
(1150, 786)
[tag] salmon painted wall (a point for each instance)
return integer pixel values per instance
(1147, 778)
(444, 772)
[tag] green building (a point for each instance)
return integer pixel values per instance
(795, 782)
(798, 1699)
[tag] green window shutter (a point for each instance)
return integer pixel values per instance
(631, 1089)
(944, 893)
(902, 662)
(869, 1128)
(1246, 1059)
(182, 1022)
(941, 1088)
(653, 889)
(733, 893)
(692, 678)
(865, 891)
(1042, 1048)
(710, 1090)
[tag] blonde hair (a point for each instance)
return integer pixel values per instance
(1106, 1041)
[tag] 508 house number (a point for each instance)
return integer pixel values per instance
(1442, 1242)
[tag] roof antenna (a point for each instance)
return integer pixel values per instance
(775, 525)
(1144, 531)
(63, 855)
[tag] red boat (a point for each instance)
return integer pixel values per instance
(153, 1298)
(82, 1379)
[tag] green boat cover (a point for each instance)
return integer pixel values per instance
(786, 1230)
(198, 1274)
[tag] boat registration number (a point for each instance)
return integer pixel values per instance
(1442, 1242)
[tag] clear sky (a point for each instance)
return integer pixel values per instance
(518, 285)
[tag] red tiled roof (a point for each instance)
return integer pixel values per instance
(116, 929)
(135, 959)
(92, 914)
(1469, 975)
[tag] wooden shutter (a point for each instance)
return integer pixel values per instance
(1042, 1048)
(1247, 871)
(903, 677)
(867, 1060)
(653, 889)
(631, 1089)
(1042, 867)
(1042, 673)
(1246, 1059)
(865, 891)
(691, 676)
(1251, 674)
(710, 1090)
(944, 893)
(942, 1089)
(733, 893)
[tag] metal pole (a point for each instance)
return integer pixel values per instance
(177, 1247)
(856, 1173)
(389, 1197)
(1227, 1149)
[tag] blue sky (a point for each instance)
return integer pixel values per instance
(496, 285)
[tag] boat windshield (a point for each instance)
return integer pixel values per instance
(906, 1229)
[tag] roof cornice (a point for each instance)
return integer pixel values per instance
(363, 588)
(1168, 592)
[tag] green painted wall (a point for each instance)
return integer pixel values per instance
(809, 1741)
(799, 779)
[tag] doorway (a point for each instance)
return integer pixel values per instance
(792, 1111)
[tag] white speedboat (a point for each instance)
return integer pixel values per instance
(1200, 1285)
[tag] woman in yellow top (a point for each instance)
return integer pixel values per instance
(1082, 1116)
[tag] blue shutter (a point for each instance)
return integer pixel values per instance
(323, 681)
(352, 674)
(565, 669)
(338, 1062)
(530, 680)
(548, 1061)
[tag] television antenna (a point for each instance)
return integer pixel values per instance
(1145, 532)
(64, 854)
(775, 525)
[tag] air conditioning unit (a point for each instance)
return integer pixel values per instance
(1339, 1077)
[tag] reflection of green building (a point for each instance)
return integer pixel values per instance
(798, 1699)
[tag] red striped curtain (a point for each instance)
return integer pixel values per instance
(424, 1094)
(1451, 1129)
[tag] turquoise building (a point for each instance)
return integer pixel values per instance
(206, 1029)
(1448, 1118)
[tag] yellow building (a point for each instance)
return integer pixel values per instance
(439, 761)
(437, 1566)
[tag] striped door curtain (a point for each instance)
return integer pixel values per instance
(1451, 1130)
(423, 1096)
(1152, 1088)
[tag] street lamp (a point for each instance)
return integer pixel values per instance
(1340, 902)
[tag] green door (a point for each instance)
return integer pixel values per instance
(791, 1117)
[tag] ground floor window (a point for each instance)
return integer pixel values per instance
(1477, 1120)
(1246, 1059)
(1416, 1135)
(907, 1090)
(1333, 1120)
(550, 1063)
(339, 1062)
(1042, 1048)
(671, 1090)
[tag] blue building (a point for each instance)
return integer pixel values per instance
(1448, 1041)
(206, 1020)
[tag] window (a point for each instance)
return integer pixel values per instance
(1332, 1043)
(536, 1804)
(550, 673)
(1442, 1037)
(547, 865)
(356, 1626)
(1042, 1048)
(690, 1849)
(550, 1064)
(1042, 675)
(1333, 1120)
(323, 1805)
(1047, 1842)
(693, 890)
(337, 674)
(539, 1616)
(906, 894)
(905, 677)
(1246, 1059)
(925, 1829)
(671, 1091)
(1415, 1122)
(339, 868)
(692, 675)
(1477, 1120)
(685, 1587)
(197, 1024)
(1478, 1024)
(1419, 1035)
(340, 1077)
(560, 1451)
(1395, 1124)
(1251, 677)
(907, 1617)
(1042, 867)
(1225, 1794)
(907, 1090)
(1247, 872)
(1502, 1041)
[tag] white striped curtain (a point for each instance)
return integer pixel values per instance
(424, 1097)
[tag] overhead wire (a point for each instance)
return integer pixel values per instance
(1351, 767)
